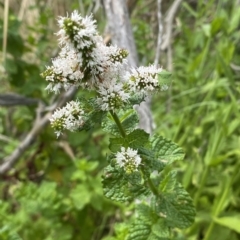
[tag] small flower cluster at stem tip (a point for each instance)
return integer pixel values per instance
(86, 62)
(128, 159)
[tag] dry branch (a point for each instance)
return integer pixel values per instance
(38, 126)
(122, 36)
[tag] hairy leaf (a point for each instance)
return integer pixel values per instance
(136, 139)
(165, 150)
(164, 79)
(148, 226)
(174, 203)
(121, 187)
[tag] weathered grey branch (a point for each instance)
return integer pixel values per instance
(169, 22)
(120, 28)
(13, 99)
(122, 36)
(9, 161)
(160, 28)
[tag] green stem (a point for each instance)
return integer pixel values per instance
(122, 131)
(152, 187)
(202, 184)
(117, 121)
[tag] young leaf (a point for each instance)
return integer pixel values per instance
(164, 79)
(135, 100)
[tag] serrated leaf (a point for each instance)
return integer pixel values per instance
(92, 114)
(115, 186)
(164, 79)
(148, 226)
(116, 144)
(174, 203)
(150, 163)
(135, 100)
(121, 187)
(169, 181)
(137, 138)
(129, 120)
(134, 178)
(165, 150)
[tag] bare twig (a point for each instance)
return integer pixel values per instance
(23, 7)
(169, 22)
(235, 67)
(8, 162)
(13, 99)
(5, 138)
(122, 36)
(67, 149)
(160, 27)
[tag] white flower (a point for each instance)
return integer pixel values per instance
(107, 62)
(111, 95)
(128, 159)
(144, 79)
(65, 71)
(69, 117)
(77, 32)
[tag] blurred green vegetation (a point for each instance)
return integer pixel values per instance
(54, 192)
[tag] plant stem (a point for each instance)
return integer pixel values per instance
(117, 121)
(122, 131)
(202, 184)
(152, 187)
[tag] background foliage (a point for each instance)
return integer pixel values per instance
(55, 192)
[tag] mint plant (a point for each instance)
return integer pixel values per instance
(139, 169)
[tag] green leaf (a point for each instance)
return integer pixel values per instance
(129, 120)
(165, 150)
(134, 178)
(135, 100)
(116, 144)
(232, 222)
(148, 226)
(168, 182)
(93, 115)
(164, 79)
(80, 196)
(115, 186)
(174, 203)
(121, 187)
(136, 139)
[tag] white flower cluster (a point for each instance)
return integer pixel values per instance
(69, 117)
(78, 32)
(85, 61)
(128, 159)
(111, 95)
(144, 79)
(65, 71)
